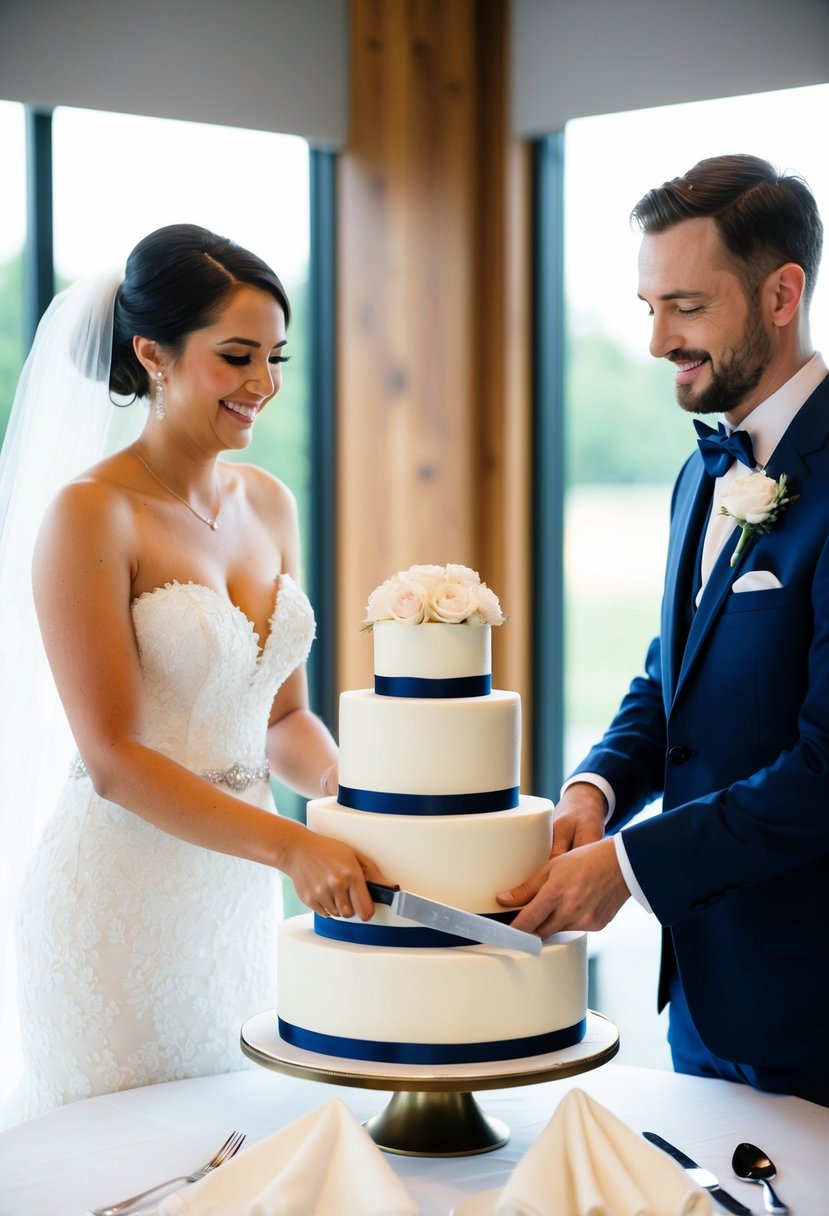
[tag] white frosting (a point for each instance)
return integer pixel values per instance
(421, 746)
(418, 995)
(431, 651)
(457, 859)
(409, 995)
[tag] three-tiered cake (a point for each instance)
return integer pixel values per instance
(429, 789)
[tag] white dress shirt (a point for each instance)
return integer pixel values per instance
(766, 425)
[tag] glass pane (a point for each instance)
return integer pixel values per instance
(251, 186)
(12, 235)
(627, 438)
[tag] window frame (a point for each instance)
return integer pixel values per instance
(548, 471)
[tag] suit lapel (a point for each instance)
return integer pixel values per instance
(693, 503)
(806, 434)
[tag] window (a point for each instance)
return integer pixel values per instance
(118, 177)
(12, 235)
(626, 437)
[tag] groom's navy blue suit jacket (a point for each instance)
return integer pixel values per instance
(730, 724)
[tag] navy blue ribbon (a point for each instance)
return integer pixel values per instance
(362, 933)
(418, 687)
(384, 803)
(431, 1053)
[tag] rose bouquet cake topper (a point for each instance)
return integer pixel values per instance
(446, 595)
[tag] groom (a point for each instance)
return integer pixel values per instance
(730, 722)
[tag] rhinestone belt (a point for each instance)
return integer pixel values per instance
(237, 778)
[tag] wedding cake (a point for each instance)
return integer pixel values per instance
(429, 789)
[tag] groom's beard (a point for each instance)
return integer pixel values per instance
(740, 371)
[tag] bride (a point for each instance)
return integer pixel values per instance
(165, 586)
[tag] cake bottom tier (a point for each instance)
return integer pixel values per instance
(429, 1006)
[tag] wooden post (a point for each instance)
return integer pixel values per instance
(433, 359)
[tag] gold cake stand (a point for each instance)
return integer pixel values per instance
(433, 1112)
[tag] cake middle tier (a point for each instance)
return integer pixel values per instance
(461, 860)
(444, 750)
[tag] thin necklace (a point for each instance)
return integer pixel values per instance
(211, 523)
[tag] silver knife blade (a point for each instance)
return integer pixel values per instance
(454, 920)
(702, 1177)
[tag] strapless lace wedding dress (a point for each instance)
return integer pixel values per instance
(140, 956)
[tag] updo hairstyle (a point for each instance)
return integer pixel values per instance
(177, 281)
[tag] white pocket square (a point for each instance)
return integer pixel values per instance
(756, 580)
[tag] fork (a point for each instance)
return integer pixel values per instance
(229, 1149)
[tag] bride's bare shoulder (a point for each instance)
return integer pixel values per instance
(96, 503)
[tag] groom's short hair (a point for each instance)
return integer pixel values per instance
(764, 218)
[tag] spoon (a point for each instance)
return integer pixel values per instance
(752, 1165)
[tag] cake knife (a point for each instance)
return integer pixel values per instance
(702, 1177)
(453, 920)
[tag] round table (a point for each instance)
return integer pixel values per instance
(90, 1153)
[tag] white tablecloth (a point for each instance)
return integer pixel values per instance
(95, 1152)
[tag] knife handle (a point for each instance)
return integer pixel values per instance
(677, 1153)
(380, 893)
(716, 1192)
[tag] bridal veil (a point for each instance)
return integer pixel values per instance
(63, 420)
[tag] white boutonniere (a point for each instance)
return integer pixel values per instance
(755, 502)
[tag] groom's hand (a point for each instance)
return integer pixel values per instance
(579, 817)
(581, 886)
(581, 889)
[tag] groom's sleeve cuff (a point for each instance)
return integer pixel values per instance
(627, 872)
(621, 852)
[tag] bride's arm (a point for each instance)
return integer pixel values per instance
(82, 575)
(301, 750)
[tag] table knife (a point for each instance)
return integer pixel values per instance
(453, 920)
(702, 1177)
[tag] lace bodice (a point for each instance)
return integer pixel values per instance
(209, 683)
(139, 954)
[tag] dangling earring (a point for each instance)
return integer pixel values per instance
(158, 409)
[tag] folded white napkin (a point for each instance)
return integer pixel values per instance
(587, 1162)
(324, 1164)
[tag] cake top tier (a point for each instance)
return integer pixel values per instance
(444, 595)
(431, 627)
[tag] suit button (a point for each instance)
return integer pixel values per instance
(701, 905)
(679, 754)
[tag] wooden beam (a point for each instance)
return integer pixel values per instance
(433, 380)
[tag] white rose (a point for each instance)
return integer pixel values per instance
(379, 602)
(408, 603)
(452, 603)
(488, 606)
(462, 575)
(751, 498)
(426, 576)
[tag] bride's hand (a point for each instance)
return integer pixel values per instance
(329, 876)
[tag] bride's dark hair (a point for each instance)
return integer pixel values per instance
(177, 280)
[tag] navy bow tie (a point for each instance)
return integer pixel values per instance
(719, 450)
